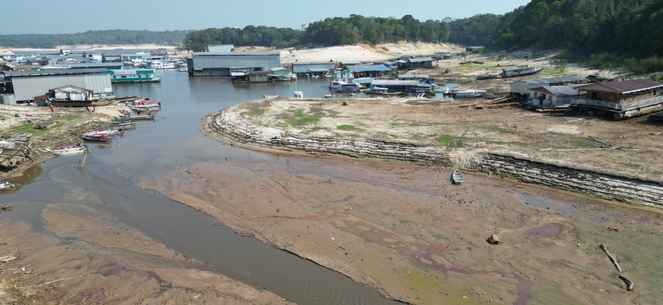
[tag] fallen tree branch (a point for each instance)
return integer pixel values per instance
(602, 143)
(612, 258)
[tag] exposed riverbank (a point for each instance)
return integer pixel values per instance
(393, 211)
(551, 150)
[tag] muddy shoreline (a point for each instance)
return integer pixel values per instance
(233, 126)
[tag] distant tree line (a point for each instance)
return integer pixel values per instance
(606, 33)
(111, 37)
(477, 30)
(249, 36)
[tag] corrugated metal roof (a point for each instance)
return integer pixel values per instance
(559, 90)
(421, 59)
(55, 72)
(235, 53)
(369, 68)
(553, 80)
(413, 76)
(628, 86)
(394, 82)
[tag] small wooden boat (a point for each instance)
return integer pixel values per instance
(139, 117)
(99, 138)
(457, 177)
(6, 185)
(122, 123)
(107, 132)
(72, 150)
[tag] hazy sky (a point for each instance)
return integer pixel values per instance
(75, 16)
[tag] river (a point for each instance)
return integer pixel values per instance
(110, 174)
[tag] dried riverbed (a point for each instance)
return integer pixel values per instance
(407, 231)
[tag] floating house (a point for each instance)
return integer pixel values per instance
(134, 76)
(280, 74)
(551, 98)
(621, 99)
(222, 64)
(313, 68)
(523, 87)
(394, 85)
(71, 94)
(420, 62)
(25, 85)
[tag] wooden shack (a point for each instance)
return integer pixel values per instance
(623, 92)
(71, 93)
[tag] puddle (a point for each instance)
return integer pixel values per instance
(598, 219)
(544, 231)
(543, 203)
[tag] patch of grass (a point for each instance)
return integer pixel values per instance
(395, 124)
(415, 124)
(258, 109)
(299, 118)
(578, 143)
(25, 128)
(345, 127)
(394, 136)
(451, 141)
(497, 128)
(319, 128)
(473, 66)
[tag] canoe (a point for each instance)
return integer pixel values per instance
(457, 177)
(93, 138)
(73, 150)
(139, 117)
(122, 123)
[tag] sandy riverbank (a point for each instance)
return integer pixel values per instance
(414, 216)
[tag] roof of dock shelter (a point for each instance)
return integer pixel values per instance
(559, 90)
(421, 59)
(553, 80)
(394, 82)
(369, 68)
(54, 72)
(624, 87)
(235, 53)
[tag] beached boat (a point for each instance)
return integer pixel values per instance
(457, 177)
(143, 104)
(519, 71)
(100, 138)
(299, 94)
(72, 150)
(6, 185)
(468, 93)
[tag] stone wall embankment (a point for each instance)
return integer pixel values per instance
(232, 126)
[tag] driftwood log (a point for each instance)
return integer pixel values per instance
(46, 125)
(612, 258)
(629, 283)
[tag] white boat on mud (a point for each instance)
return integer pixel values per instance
(468, 93)
(519, 71)
(6, 185)
(72, 150)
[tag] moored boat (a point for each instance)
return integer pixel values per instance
(93, 138)
(341, 86)
(139, 117)
(468, 93)
(107, 132)
(122, 123)
(457, 177)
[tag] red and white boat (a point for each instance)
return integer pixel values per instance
(107, 132)
(341, 86)
(143, 105)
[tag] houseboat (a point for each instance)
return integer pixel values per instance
(519, 71)
(134, 76)
(157, 64)
(341, 86)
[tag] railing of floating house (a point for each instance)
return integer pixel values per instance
(622, 107)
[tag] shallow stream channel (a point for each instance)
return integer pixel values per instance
(111, 171)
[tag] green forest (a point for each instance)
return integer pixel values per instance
(111, 37)
(477, 30)
(607, 33)
(625, 34)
